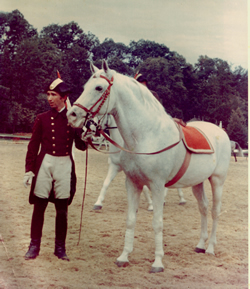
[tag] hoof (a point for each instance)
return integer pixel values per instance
(97, 207)
(210, 253)
(121, 264)
(150, 208)
(182, 203)
(156, 270)
(198, 250)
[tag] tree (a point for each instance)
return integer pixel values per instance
(237, 128)
(68, 35)
(215, 89)
(143, 49)
(109, 49)
(167, 78)
(75, 49)
(14, 29)
(25, 77)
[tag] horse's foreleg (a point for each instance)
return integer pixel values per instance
(145, 190)
(112, 172)
(158, 200)
(133, 203)
(217, 188)
(199, 193)
(181, 196)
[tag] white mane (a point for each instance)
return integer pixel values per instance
(145, 94)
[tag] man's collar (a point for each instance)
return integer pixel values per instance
(62, 112)
(62, 109)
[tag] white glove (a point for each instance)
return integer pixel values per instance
(27, 179)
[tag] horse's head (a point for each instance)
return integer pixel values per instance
(96, 98)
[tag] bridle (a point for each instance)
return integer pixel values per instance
(100, 101)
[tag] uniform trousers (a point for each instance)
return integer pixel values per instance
(57, 170)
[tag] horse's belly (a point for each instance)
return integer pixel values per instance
(201, 167)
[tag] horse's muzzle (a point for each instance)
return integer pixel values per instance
(75, 117)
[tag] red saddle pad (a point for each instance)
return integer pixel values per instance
(196, 141)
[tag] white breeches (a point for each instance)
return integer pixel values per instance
(57, 170)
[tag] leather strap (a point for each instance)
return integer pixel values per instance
(132, 152)
(92, 145)
(182, 170)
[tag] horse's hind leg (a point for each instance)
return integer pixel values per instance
(145, 190)
(133, 194)
(200, 195)
(158, 200)
(181, 196)
(217, 188)
(112, 172)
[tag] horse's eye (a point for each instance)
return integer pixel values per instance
(98, 88)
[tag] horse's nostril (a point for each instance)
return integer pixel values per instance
(73, 114)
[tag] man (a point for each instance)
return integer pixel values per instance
(51, 171)
(143, 80)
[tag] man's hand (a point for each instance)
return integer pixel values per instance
(27, 179)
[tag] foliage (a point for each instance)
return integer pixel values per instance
(237, 128)
(210, 90)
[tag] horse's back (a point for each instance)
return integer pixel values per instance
(218, 138)
(212, 131)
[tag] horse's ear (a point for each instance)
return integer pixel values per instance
(93, 68)
(105, 66)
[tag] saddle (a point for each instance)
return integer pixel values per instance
(195, 141)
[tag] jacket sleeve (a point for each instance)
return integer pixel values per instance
(80, 144)
(33, 146)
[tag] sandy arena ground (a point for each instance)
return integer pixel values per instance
(92, 261)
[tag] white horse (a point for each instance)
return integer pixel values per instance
(234, 144)
(108, 123)
(146, 128)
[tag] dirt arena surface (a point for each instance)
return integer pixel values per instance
(92, 261)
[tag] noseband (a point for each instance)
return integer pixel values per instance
(102, 99)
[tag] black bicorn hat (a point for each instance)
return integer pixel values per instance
(59, 86)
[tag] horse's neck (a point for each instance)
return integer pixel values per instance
(114, 132)
(139, 118)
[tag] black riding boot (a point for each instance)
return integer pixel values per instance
(36, 228)
(34, 249)
(61, 228)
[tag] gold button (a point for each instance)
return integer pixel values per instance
(53, 137)
(67, 153)
(52, 117)
(54, 152)
(53, 130)
(67, 146)
(52, 123)
(53, 145)
(67, 131)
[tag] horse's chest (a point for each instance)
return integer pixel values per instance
(135, 167)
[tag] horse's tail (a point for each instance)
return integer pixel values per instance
(240, 150)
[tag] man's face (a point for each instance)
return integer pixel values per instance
(55, 100)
